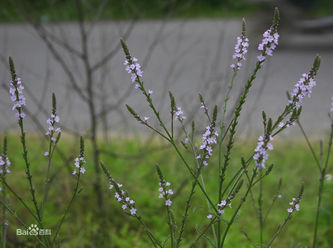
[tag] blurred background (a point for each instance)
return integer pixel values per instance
(185, 46)
(71, 47)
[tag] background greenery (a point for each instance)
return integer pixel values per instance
(293, 163)
(65, 10)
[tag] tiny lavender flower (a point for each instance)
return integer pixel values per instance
(165, 191)
(261, 155)
(17, 97)
(208, 140)
(240, 51)
(4, 164)
(268, 43)
(332, 104)
(79, 162)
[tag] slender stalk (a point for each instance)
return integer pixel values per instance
(204, 231)
(20, 220)
(238, 208)
(231, 138)
(4, 195)
(76, 190)
(188, 202)
(261, 223)
(20, 200)
(47, 180)
(321, 187)
(23, 142)
(4, 212)
(309, 144)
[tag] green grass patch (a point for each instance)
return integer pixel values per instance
(293, 163)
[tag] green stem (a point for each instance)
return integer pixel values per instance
(46, 183)
(261, 223)
(321, 187)
(68, 207)
(238, 208)
(188, 202)
(231, 137)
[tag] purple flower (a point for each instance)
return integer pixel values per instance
(17, 97)
(240, 51)
(261, 155)
(133, 211)
(332, 104)
(268, 43)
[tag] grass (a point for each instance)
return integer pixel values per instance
(293, 163)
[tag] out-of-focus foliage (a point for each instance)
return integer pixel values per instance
(66, 10)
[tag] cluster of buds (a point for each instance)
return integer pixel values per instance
(17, 97)
(302, 89)
(208, 140)
(261, 155)
(52, 128)
(80, 161)
(4, 164)
(270, 39)
(165, 191)
(221, 206)
(127, 204)
(294, 205)
(179, 114)
(240, 50)
(134, 69)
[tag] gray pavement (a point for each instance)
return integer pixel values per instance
(190, 57)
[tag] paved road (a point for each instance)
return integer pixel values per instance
(190, 56)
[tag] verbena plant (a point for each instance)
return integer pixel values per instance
(219, 136)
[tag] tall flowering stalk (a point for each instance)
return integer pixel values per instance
(240, 49)
(53, 133)
(266, 49)
(4, 170)
(164, 193)
(16, 92)
(78, 163)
